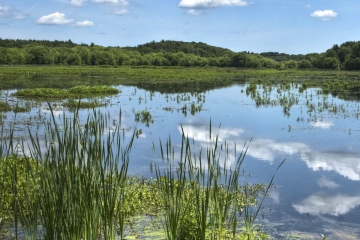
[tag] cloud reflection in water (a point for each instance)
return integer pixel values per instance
(321, 203)
(345, 164)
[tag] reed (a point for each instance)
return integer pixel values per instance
(73, 184)
(202, 193)
(78, 181)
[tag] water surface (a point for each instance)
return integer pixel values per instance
(317, 189)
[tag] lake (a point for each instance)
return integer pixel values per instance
(316, 191)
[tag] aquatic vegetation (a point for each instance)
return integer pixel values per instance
(144, 117)
(73, 104)
(75, 92)
(78, 188)
(4, 107)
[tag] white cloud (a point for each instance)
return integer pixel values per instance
(85, 23)
(308, 6)
(324, 15)
(322, 124)
(346, 164)
(202, 134)
(269, 150)
(194, 12)
(324, 182)
(320, 203)
(6, 12)
(120, 12)
(211, 3)
(78, 3)
(21, 16)
(54, 19)
(343, 163)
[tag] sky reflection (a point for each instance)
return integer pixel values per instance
(323, 203)
(344, 163)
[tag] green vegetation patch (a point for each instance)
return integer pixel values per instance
(4, 107)
(85, 173)
(75, 92)
(73, 104)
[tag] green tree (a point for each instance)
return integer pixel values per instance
(3, 55)
(253, 62)
(331, 63)
(239, 60)
(343, 52)
(331, 53)
(106, 58)
(304, 64)
(15, 56)
(291, 64)
(38, 55)
(84, 54)
(73, 59)
(352, 63)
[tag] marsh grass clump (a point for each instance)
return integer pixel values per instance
(75, 92)
(144, 117)
(95, 90)
(19, 109)
(72, 104)
(4, 107)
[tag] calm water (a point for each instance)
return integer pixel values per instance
(317, 189)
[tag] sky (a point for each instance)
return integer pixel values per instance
(286, 26)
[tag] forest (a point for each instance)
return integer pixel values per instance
(171, 53)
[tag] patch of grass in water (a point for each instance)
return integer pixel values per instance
(4, 107)
(73, 104)
(75, 92)
(19, 109)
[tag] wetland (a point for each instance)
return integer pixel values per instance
(172, 137)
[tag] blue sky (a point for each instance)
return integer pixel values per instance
(290, 26)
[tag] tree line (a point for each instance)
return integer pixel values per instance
(171, 53)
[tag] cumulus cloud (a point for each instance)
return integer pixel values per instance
(325, 15)
(6, 12)
(324, 182)
(60, 19)
(54, 19)
(194, 12)
(85, 23)
(320, 203)
(211, 3)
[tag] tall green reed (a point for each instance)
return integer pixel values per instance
(201, 190)
(76, 189)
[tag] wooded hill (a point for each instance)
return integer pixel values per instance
(171, 53)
